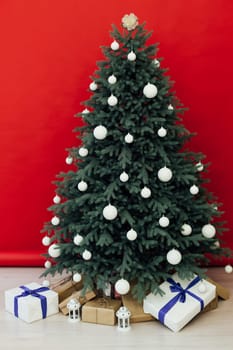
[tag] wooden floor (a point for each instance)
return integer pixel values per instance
(212, 330)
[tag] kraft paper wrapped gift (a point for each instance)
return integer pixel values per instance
(66, 287)
(76, 295)
(180, 303)
(101, 311)
(31, 302)
(136, 309)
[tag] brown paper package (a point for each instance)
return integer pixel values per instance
(77, 295)
(101, 311)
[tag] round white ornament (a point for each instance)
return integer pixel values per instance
(86, 255)
(145, 192)
(46, 283)
(194, 189)
(82, 186)
(165, 174)
(69, 160)
(202, 287)
(93, 86)
(112, 79)
(122, 286)
(110, 212)
(83, 152)
(131, 56)
(78, 239)
(112, 100)
(131, 235)
(174, 257)
(100, 132)
(186, 230)
(54, 251)
(47, 264)
(46, 240)
(216, 244)
(228, 269)
(55, 221)
(124, 177)
(115, 45)
(150, 90)
(208, 231)
(56, 199)
(77, 277)
(164, 221)
(128, 138)
(170, 107)
(156, 63)
(162, 132)
(85, 111)
(199, 166)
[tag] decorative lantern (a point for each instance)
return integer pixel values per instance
(74, 310)
(123, 315)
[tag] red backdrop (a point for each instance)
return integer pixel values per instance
(48, 51)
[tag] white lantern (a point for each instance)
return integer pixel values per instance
(123, 315)
(100, 132)
(73, 306)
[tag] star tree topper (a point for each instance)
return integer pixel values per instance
(130, 21)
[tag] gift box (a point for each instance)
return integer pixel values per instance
(180, 303)
(66, 287)
(31, 302)
(89, 295)
(101, 311)
(136, 309)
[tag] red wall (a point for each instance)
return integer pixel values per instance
(48, 51)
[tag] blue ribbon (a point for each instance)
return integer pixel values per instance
(35, 293)
(181, 296)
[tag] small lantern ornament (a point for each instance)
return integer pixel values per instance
(123, 315)
(74, 310)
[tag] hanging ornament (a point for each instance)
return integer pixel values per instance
(93, 86)
(54, 251)
(199, 166)
(56, 199)
(47, 264)
(77, 277)
(194, 189)
(130, 21)
(46, 240)
(164, 221)
(150, 90)
(128, 138)
(202, 287)
(156, 63)
(112, 79)
(174, 257)
(55, 221)
(162, 132)
(82, 186)
(110, 212)
(122, 286)
(46, 283)
(186, 230)
(145, 192)
(131, 56)
(78, 239)
(216, 244)
(228, 269)
(164, 174)
(131, 235)
(100, 132)
(124, 177)
(170, 107)
(83, 152)
(86, 255)
(69, 160)
(112, 100)
(85, 111)
(115, 45)
(208, 231)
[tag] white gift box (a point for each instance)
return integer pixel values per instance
(29, 307)
(177, 314)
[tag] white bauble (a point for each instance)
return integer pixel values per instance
(128, 138)
(162, 132)
(83, 152)
(54, 251)
(145, 192)
(124, 177)
(56, 199)
(112, 79)
(164, 221)
(199, 166)
(194, 189)
(208, 231)
(47, 264)
(112, 100)
(46, 283)
(150, 90)
(86, 255)
(228, 269)
(186, 230)
(216, 244)
(110, 212)
(82, 186)
(115, 45)
(69, 160)
(131, 235)
(156, 63)
(174, 257)
(77, 277)
(100, 132)
(122, 286)
(202, 288)
(170, 107)
(85, 111)
(78, 239)
(131, 56)
(46, 240)
(165, 174)
(93, 86)
(55, 221)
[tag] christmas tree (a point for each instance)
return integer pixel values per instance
(135, 209)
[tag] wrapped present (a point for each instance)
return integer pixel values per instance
(101, 310)
(180, 303)
(212, 305)
(66, 287)
(222, 292)
(31, 302)
(89, 295)
(136, 309)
